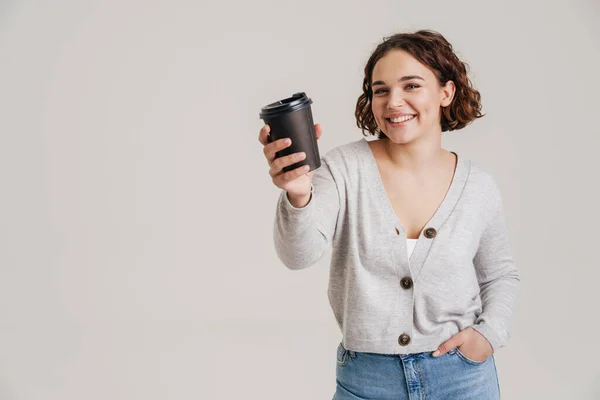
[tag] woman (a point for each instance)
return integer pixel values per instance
(422, 282)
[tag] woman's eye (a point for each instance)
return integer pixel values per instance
(409, 86)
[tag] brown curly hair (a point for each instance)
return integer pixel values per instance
(434, 51)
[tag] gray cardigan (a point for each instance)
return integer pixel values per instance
(460, 274)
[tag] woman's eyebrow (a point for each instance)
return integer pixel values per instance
(404, 78)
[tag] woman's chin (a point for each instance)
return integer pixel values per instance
(400, 137)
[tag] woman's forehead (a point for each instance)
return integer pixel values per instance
(398, 64)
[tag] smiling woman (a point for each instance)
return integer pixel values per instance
(422, 282)
(434, 76)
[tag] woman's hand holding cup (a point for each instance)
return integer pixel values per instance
(297, 182)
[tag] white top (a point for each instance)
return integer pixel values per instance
(410, 246)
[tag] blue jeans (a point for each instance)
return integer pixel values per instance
(418, 376)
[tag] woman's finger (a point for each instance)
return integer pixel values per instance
(272, 148)
(263, 135)
(278, 180)
(278, 165)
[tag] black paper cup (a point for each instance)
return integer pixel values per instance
(292, 118)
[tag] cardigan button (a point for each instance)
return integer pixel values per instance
(430, 233)
(406, 282)
(404, 339)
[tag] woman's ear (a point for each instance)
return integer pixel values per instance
(448, 91)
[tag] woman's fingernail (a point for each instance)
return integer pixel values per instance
(436, 353)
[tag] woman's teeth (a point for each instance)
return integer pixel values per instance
(402, 119)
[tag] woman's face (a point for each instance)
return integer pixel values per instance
(403, 87)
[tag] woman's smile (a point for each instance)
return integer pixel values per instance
(402, 122)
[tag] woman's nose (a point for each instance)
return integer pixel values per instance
(395, 99)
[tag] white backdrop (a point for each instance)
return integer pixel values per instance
(136, 209)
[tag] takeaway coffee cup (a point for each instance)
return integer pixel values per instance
(292, 118)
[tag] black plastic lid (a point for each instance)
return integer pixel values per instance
(296, 102)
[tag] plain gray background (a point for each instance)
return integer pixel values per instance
(136, 209)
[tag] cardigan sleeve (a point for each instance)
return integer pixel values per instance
(498, 278)
(301, 235)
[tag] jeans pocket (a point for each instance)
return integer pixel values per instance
(343, 355)
(468, 360)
